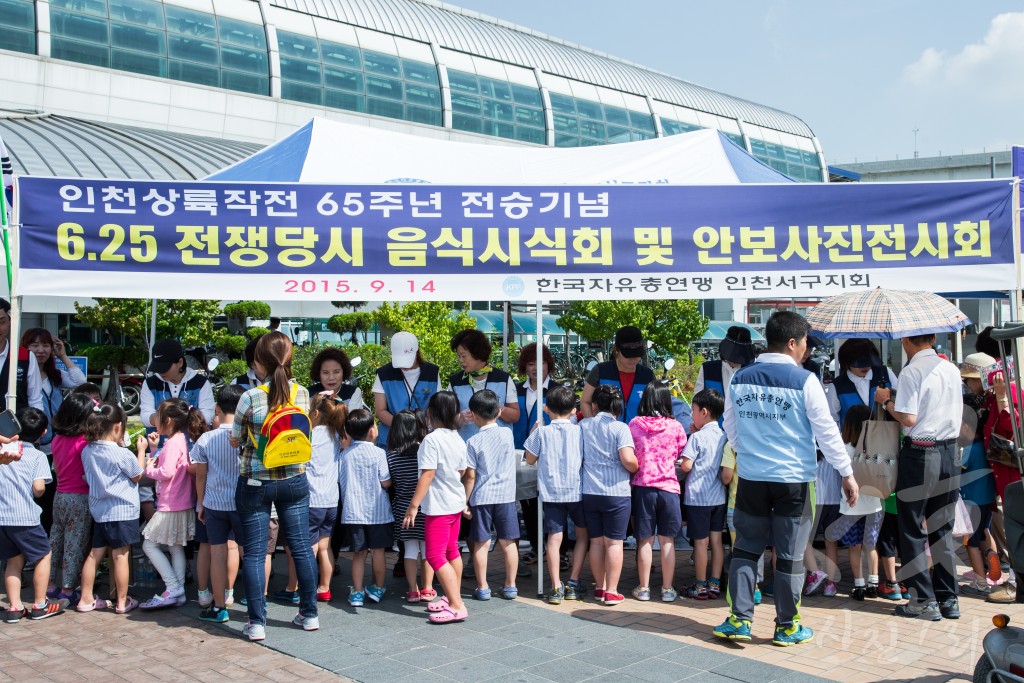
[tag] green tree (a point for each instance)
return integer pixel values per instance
(670, 324)
(187, 320)
(433, 322)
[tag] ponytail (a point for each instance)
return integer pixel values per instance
(327, 410)
(182, 416)
(196, 425)
(102, 420)
(274, 353)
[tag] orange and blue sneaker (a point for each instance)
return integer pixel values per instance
(733, 629)
(786, 636)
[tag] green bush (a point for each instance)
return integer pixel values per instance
(255, 332)
(260, 310)
(107, 356)
(373, 357)
(230, 369)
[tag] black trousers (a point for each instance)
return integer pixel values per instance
(927, 487)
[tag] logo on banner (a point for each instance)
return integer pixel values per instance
(407, 181)
(513, 286)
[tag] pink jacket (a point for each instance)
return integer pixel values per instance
(174, 487)
(658, 441)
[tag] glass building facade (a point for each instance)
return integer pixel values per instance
(499, 108)
(18, 25)
(581, 123)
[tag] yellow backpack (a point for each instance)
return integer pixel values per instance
(285, 435)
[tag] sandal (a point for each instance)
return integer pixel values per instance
(447, 616)
(129, 604)
(529, 557)
(438, 605)
(413, 597)
(98, 603)
(427, 594)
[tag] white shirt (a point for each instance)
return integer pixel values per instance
(863, 386)
(207, 403)
(531, 394)
(33, 381)
(929, 388)
(443, 451)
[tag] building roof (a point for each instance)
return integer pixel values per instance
(473, 33)
(951, 161)
(51, 145)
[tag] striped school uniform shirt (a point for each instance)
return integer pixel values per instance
(492, 454)
(17, 503)
(214, 450)
(704, 485)
(322, 469)
(828, 486)
(559, 450)
(109, 469)
(362, 468)
(603, 473)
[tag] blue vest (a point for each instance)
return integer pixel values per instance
(21, 387)
(608, 372)
(847, 394)
(396, 393)
(521, 429)
(497, 381)
(712, 370)
(776, 442)
(161, 392)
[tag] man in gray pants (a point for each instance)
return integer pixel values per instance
(774, 414)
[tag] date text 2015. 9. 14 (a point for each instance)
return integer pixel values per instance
(354, 286)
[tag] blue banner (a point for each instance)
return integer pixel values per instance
(281, 241)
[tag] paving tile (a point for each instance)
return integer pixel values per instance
(752, 671)
(430, 656)
(381, 671)
(609, 657)
(474, 669)
(567, 670)
(519, 656)
(701, 658)
(392, 644)
(518, 677)
(522, 632)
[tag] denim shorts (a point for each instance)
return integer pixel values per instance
(607, 516)
(30, 541)
(501, 517)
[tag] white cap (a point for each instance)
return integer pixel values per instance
(403, 350)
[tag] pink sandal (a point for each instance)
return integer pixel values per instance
(438, 605)
(98, 603)
(412, 597)
(427, 594)
(448, 616)
(130, 603)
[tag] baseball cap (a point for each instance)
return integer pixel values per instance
(404, 346)
(166, 352)
(870, 359)
(974, 363)
(630, 341)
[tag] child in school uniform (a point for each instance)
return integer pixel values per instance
(22, 537)
(705, 495)
(364, 476)
(557, 450)
(490, 482)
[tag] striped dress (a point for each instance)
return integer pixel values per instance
(405, 474)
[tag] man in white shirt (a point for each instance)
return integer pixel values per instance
(929, 405)
(29, 388)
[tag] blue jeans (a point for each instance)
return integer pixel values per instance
(291, 498)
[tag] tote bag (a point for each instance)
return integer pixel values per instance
(875, 458)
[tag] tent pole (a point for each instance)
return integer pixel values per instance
(152, 330)
(504, 336)
(539, 407)
(1018, 312)
(12, 354)
(11, 247)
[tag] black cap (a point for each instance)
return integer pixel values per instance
(630, 341)
(166, 352)
(870, 359)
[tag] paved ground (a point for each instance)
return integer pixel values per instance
(525, 640)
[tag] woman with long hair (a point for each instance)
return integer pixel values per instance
(47, 350)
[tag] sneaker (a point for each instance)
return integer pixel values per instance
(904, 592)
(412, 597)
(50, 608)
(375, 593)
(858, 593)
(757, 596)
(733, 629)
(929, 611)
(218, 615)
(950, 608)
(977, 588)
(205, 598)
(254, 632)
(356, 598)
(697, 591)
(1004, 595)
(509, 592)
(574, 590)
(323, 596)
(599, 594)
(307, 623)
(556, 596)
(642, 594)
(793, 635)
(871, 591)
(669, 594)
(890, 591)
(714, 589)
(613, 598)
(287, 596)
(830, 589)
(814, 581)
(13, 616)
(165, 599)
(229, 597)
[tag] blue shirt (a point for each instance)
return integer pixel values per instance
(603, 473)
(704, 485)
(109, 470)
(322, 469)
(559, 450)
(363, 467)
(17, 502)
(214, 450)
(492, 453)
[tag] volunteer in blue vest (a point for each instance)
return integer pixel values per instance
(249, 379)
(860, 373)
(623, 371)
(406, 383)
(774, 414)
(474, 351)
(170, 377)
(331, 371)
(734, 352)
(29, 388)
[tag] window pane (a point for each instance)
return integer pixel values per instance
(774, 151)
(83, 53)
(642, 135)
(641, 121)
(464, 104)
(423, 95)
(419, 72)
(151, 65)
(294, 45)
(192, 50)
(234, 80)
(616, 134)
(341, 55)
(563, 104)
(592, 110)
(467, 123)
(460, 81)
(592, 129)
(566, 124)
(300, 70)
(430, 117)
(796, 172)
(809, 158)
(302, 93)
(17, 14)
(79, 26)
(778, 165)
(501, 130)
(19, 41)
(497, 110)
(525, 95)
(189, 22)
(529, 116)
(757, 148)
(498, 90)
(387, 108)
(380, 63)
(97, 7)
(738, 139)
(616, 115)
(242, 33)
(137, 38)
(142, 12)
(344, 100)
(813, 174)
(670, 127)
(533, 135)
(193, 73)
(242, 59)
(590, 142)
(383, 87)
(792, 155)
(343, 79)
(566, 140)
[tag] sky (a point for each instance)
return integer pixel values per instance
(863, 75)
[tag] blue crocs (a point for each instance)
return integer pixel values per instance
(733, 629)
(481, 593)
(509, 592)
(793, 635)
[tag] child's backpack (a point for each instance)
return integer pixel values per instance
(285, 435)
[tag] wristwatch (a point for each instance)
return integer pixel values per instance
(888, 401)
